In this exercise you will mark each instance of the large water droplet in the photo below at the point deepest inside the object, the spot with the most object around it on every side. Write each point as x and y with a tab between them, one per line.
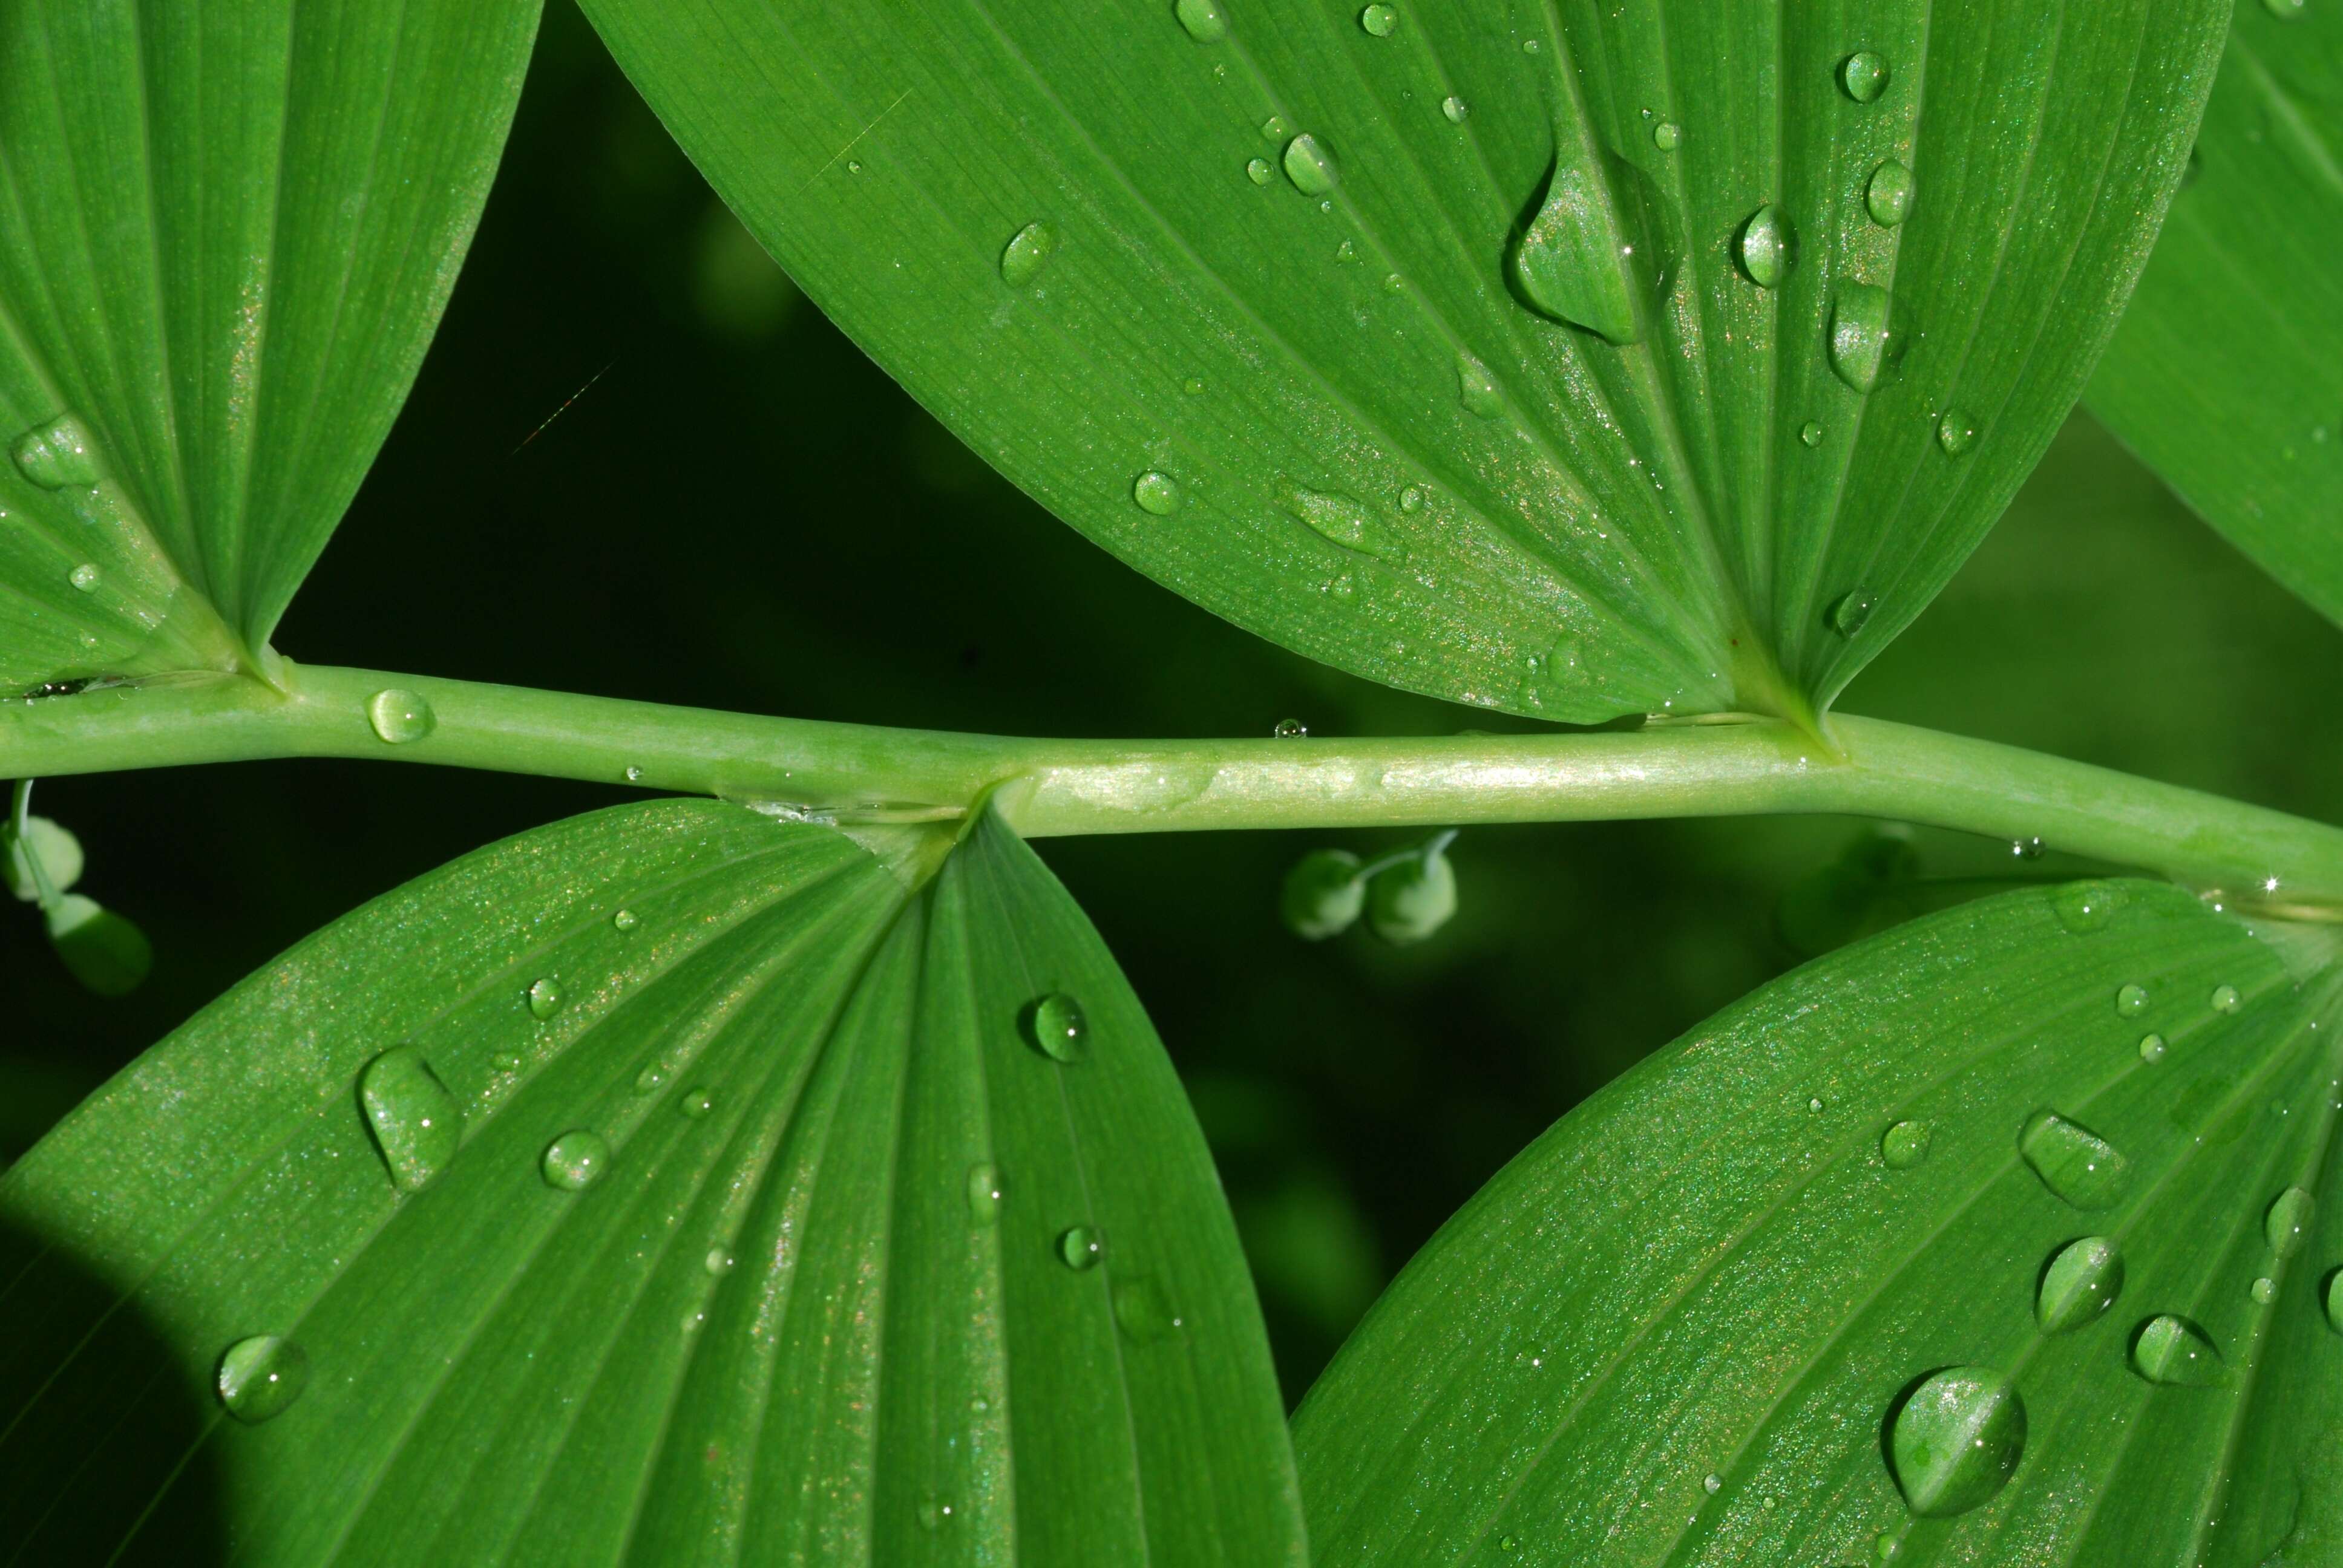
400	716
1889	195
1767	247
1574	261
2131	1000
2288	1224
1904	1145
1851	611
1379	19
2333	1295
415	1122
2286	10
1202	19
576	1159
57	455
261	1377
1957	1441
2075	1163
2226	1000
2171	1349
1858	335
984	1193
1028	252
1478	392
1158	494
1345	520
544	996
2083	1281
1955	432
1864	75
1311	166
1056	1028
1080	1246
1667	136
1457	110
2084	907
1143	1311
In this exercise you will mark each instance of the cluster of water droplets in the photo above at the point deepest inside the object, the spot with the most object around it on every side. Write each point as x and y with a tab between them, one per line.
61	456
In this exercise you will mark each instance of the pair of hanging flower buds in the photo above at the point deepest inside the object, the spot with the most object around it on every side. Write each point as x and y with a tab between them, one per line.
40	860
1405	896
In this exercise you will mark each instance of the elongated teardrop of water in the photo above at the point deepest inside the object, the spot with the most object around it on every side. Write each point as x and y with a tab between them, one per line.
1345	520
1851	611
2170	1350
1478	392
1158	494
1767	247
1957	1440
2081	1283
1858	334
1056	1028
400	716
1573	261
57	455
1864	75
1028	252
1889	195
1955	432
2075	1163
1904	1145
1202	19
261	1377
2287	1226
1311	166
1079	1247
1143	1311
415	1122
576	1159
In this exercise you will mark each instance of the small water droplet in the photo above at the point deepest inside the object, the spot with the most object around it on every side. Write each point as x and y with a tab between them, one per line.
1346	252
2075	1163
2226	999
1028	252
1411	500
1457	110
634	774
934	1513
1666	136
1290	730
1851	611
415	1122
1864	75
649	1080
2081	1281
1811	433
1202	19
1194	387
2288	1224
1158	494
718	1260
1379	19
400	716
1955	432
1510	1542
984	1193
2286	10
507	1062
2026	849
544	996
260	1377
83	577
1885	1545
2082	907
2173	1351
2131	1000
1479	393
1143	1311
1081	1247
1904	1145
1343	519
2264	1290
1957	1441
1711	1484
1814	1105
626	920
1858	335
575	1159
1056	1027
1889	195
2151	1047
1311	166
1260	171
1529	45
854	166
1767	248
1275	128
696	1103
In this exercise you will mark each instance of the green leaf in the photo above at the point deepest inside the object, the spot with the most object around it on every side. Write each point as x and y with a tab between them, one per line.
1701	1320
225	235
753	1236
2225	378
1334	329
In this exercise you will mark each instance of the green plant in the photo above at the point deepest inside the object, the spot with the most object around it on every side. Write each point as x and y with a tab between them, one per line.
792	1175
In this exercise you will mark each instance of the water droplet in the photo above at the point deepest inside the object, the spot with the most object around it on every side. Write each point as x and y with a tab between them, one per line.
2075	1163
718	1260
57	455
2286	10
508	1062
1510	1542
400	716
2334	1296
2026	849
1275	128
575	1159
1260	171
1311	166
1814	1105
1081	1247
1864	75
626	920
2131	1001
1955	432
1711	1484
1290	730
1028	253
2083	1281
1904	1145
934	1513
2226	1000
260	1377
634	774
1572	262
1345	520
1851	611
1411	500
1194	387
696	1103
1811	433
83	577
1666	136
1885	1545
1381	20
2170	1350
854	166
2288	1223
1478	392
1157	494
2151	1047
544	996
1529	45
649	1080
1767	248
1393	283
2264	1291
1957	1441
1143	1311
415	1122
1858	335
2082	907
1057	1029
1889	193
984	1193
1457	110
1202	19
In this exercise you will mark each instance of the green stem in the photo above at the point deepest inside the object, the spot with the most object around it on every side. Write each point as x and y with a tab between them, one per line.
865	774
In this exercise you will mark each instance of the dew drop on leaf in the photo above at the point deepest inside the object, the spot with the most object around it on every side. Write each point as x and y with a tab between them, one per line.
718	1261
1955	432
1666	136
625	920
1411	500
1202	19
544	996
2226	1000
2075	1163
1311	166
2288	1224
1711	1484
1290	730
2286	10
1888	195
1957	1441
1079	1247
1851	611
1379	19
1767	247
260	1377
1343	519
2151	1047
1027	253
2085	907
1811	433
696	1103
1275	128
2173	1351
83	577
576	1159
984	1193
2131	1000
1457	110
1056	1027
1143	1311
58	456
1571	262
1158	494
649	1078
2333	1294
1904	1145
2081	1281
415	1122
1864	75
2264	1291
1259	171
400	716
1858	335
1479	393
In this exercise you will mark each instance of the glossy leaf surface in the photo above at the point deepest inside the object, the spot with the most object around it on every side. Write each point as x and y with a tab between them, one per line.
2225	376
752	1245
1508	352
225	235
1704	1318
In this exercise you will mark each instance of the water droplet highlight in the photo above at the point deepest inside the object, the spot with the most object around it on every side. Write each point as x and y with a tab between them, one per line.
576	1159
83	577
1289	729
1079	1247
1057	1029
260	1377
1767	248
1142	1311
400	716
1955	432
984	1193
1888	195
1864	77
2151	1047
2131	1001
696	1103
1904	1145
1311	166
1457	110
1028	252
1851	611
1479	393
1667	136
2075	1163
415	1122
1260	171
1202	20
2288	1224
1379	19
1158	494
2226	999
1858	335
544	996
2175	1351
1957	1441
2083	1281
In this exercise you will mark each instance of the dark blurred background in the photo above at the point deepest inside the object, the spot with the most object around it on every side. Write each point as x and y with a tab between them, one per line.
741	512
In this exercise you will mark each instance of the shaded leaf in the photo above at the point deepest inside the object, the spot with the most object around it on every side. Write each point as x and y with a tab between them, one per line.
754	1236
